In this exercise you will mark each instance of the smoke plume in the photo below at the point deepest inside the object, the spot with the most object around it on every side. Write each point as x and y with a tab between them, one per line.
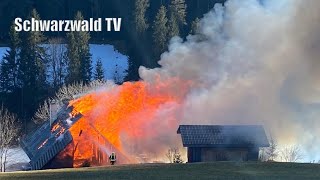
253	62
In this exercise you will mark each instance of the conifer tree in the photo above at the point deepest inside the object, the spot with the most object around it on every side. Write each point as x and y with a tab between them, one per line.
32	69
57	62
99	71
78	55
195	26
178	9
160	30
9	63
73	59
32	77
173	27
140	20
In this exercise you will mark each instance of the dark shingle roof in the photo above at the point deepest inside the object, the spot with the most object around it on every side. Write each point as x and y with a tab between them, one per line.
223	136
45	143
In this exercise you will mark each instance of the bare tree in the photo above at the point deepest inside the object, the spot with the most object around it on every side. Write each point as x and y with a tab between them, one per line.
43	113
57	62
75	90
263	155
291	154
8	133
169	154
174	155
66	93
269	153
272	151
177	157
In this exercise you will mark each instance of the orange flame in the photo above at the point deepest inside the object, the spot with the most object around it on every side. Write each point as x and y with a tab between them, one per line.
122	110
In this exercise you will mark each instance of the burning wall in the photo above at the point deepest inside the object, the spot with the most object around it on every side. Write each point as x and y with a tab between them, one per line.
49	146
123	119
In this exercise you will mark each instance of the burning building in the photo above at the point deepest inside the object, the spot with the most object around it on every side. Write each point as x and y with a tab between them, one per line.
222	143
50	142
88	129
56	144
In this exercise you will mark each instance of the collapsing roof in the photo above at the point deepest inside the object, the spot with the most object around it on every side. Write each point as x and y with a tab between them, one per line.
47	141
223	136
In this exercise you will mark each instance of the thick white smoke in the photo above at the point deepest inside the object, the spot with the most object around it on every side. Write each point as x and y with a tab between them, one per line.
254	62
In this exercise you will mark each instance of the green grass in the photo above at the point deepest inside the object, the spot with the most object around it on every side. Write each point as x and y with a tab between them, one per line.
217	170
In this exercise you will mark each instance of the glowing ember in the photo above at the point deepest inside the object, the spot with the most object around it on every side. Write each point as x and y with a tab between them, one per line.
55	127
44	143
59	128
109	115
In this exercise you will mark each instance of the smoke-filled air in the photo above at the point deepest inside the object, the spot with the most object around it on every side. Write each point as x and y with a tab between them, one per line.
252	62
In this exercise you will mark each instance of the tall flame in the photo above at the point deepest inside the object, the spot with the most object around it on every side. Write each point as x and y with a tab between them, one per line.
124	110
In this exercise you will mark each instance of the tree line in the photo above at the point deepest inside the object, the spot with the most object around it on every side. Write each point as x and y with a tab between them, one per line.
32	71
155	23
66	9
138	19
37	64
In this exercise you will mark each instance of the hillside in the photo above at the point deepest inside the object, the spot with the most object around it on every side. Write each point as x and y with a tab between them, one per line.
219	170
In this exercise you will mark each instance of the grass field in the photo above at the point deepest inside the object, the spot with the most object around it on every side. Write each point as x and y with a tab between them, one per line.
218	170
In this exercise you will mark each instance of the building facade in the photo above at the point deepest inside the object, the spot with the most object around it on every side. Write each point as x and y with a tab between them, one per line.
206	143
